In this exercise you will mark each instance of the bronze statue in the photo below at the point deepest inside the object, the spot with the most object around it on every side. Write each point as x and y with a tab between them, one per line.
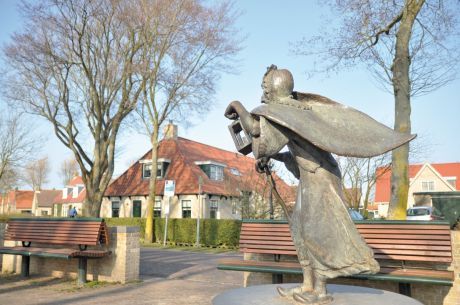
312	126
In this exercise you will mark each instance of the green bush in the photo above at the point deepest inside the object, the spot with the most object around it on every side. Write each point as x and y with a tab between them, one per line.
213	232
128	221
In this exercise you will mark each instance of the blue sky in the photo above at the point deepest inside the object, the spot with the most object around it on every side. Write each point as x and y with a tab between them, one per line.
270	27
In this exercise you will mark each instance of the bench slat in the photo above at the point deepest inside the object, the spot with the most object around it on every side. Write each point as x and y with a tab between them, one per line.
396	232
406	236
413	258
274	247
248	250
409	242
402	226
266	242
411	247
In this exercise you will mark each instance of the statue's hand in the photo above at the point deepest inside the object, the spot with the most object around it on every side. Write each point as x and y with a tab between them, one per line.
262	164
232	111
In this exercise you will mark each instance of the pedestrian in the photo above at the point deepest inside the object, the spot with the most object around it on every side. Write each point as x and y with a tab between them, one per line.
73	212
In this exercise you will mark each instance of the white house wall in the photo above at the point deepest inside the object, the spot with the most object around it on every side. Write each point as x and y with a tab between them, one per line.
224	210
426	174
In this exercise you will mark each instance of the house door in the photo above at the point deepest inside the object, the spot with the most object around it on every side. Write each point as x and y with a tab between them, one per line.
137	206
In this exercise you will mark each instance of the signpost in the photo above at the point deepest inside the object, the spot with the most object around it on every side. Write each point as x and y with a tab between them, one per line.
170	186
200	198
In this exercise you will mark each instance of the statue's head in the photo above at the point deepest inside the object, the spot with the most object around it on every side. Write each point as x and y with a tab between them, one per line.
276	84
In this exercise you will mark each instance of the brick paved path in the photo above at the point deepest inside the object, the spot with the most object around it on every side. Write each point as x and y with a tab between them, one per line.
168	278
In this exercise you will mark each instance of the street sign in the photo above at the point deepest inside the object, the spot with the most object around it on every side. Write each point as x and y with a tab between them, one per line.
170	186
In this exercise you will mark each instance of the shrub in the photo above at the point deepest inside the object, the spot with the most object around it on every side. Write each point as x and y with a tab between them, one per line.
213	232
128	221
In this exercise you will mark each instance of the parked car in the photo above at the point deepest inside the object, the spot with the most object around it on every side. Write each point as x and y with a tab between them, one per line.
423	213
355	215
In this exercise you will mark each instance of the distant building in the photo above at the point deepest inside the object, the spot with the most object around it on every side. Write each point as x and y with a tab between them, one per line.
43	201
72	195
209	183
435	177
17	202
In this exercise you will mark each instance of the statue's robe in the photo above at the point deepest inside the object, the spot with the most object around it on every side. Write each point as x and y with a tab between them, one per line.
312	127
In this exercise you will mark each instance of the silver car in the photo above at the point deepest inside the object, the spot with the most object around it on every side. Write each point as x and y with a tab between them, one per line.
422	213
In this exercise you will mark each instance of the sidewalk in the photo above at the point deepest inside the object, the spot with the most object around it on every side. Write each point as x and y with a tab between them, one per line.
167	278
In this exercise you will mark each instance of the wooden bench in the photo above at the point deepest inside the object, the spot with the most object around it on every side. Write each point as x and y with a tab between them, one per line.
65	238
407	251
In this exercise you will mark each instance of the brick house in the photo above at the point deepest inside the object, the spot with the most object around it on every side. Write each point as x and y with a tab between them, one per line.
226	178
73	194
17	202
434	177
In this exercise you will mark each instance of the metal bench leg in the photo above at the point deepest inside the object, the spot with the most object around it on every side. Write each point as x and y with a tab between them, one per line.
82	270
404	288
25	264
277	278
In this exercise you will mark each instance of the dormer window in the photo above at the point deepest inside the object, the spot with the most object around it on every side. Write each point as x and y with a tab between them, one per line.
214	170
162	167
452	181
235	172
146	170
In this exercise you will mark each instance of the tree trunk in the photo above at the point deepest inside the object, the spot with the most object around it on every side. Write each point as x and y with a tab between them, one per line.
152	186
401	87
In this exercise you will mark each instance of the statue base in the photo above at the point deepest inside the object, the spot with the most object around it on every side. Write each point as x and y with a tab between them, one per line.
342	294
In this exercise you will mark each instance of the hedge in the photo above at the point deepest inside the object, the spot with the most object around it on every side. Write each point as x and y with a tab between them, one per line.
213	232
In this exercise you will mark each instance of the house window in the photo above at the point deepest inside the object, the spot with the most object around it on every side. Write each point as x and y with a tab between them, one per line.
44	213
162	167
157	209
137	208
452	182
186	209
427	185
233	206
214	172
213	209
146	170
115	209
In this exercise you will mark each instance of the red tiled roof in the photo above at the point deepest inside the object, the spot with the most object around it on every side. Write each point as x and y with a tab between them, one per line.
183	154
77	180
23	199
382	186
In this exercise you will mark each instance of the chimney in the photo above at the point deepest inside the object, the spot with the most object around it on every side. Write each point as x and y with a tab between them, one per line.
170	131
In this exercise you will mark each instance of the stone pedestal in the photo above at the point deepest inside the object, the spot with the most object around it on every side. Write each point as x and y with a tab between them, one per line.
342	294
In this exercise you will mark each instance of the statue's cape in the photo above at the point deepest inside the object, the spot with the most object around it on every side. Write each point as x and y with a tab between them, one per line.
332	126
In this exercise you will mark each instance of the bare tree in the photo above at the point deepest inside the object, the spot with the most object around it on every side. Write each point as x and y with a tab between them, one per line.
187	44
75	63
410	45
17	145
359	176
36	173
69	169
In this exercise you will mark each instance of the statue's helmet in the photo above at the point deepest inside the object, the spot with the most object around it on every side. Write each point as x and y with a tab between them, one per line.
277	84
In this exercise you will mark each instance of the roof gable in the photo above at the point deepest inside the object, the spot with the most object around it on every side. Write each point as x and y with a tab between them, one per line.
441	170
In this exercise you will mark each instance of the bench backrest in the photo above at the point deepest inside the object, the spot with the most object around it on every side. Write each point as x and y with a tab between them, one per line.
390	240
59	231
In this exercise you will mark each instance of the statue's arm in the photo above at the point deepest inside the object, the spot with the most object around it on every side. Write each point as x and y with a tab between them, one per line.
288	159
249	122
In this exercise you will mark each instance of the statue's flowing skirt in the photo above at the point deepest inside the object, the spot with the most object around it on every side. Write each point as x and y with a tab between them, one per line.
323	230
